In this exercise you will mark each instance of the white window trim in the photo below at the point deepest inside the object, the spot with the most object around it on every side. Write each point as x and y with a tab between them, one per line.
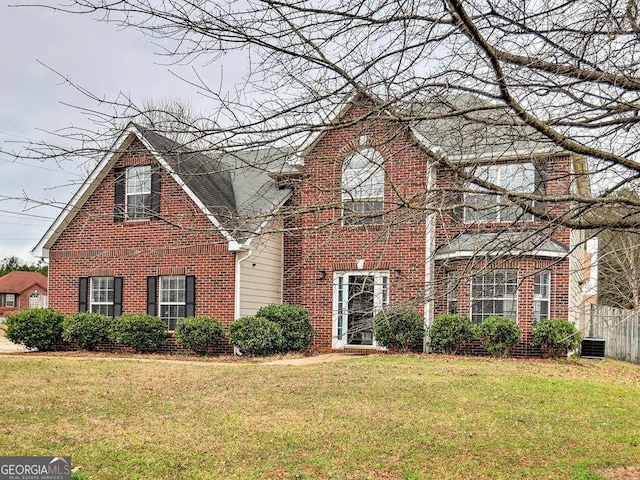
516	294
93	303
37	297
179	304
128	171
539	298
380	299
13	300
495	205
348	196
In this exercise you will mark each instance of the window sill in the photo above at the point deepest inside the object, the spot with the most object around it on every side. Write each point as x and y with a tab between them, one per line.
137	220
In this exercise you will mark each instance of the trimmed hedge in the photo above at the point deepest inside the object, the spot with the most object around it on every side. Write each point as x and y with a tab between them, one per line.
87	330
199	333
556	337
398	328
498	335
39	328
294	321
142	332
449	333
256	336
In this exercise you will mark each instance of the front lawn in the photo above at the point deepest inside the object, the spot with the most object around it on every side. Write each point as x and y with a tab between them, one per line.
374	417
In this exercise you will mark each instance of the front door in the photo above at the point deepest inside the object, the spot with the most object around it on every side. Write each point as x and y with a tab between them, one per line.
357	298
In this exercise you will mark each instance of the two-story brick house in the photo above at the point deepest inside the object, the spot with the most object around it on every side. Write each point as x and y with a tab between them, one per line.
408	229
370	212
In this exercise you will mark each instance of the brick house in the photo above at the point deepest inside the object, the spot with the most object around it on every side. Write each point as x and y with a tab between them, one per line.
22	290
359	218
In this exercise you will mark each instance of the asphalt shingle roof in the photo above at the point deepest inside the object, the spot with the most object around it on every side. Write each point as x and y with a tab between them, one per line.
466	126
504	243
235	187
18	281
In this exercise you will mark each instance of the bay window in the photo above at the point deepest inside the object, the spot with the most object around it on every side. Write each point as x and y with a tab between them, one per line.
494	293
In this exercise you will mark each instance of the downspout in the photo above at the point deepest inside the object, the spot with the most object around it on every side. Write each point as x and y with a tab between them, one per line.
430	223
238	278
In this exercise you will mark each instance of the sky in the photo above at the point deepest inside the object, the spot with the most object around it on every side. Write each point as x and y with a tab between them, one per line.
34	100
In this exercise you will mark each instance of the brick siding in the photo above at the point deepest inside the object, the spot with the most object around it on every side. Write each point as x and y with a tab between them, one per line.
182	242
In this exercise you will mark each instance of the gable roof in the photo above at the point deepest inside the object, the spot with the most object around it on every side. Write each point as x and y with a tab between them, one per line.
465	127
19	281
459	126
234	190
237	188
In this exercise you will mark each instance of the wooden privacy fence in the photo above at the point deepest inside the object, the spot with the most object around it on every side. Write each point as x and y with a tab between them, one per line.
620	329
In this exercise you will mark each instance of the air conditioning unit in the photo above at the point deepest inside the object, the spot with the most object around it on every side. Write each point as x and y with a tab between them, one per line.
592	348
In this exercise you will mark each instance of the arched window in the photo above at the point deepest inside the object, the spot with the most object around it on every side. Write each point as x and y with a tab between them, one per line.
34	300
363	188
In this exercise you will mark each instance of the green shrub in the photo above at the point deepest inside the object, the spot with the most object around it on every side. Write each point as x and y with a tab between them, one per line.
256	336
39	328
398	328
142	332
556	337
199	333
449	332
294	321
87	330
498	335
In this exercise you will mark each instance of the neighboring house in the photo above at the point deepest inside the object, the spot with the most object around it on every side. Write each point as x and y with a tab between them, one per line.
22	290
361	217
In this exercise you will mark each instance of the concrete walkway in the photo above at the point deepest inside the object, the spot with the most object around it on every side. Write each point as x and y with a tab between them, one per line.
324	358
9	347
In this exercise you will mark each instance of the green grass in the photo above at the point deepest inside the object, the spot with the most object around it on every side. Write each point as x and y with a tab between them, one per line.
376	417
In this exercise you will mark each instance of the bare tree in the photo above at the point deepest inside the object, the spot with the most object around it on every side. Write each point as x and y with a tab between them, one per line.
566	72
619	262
469	78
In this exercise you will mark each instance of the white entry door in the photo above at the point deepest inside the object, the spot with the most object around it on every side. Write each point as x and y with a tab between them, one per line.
357	297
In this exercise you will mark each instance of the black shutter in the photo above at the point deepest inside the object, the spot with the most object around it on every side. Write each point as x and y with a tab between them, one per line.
117	296
190	296
155	195
152	296
118	194
83	294
540	166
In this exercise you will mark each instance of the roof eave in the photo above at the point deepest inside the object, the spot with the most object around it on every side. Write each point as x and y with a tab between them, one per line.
70	210
507	253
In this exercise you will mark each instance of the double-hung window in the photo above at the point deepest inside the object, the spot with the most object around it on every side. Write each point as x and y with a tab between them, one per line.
494	293
10	300
102	295
138	192
173	300
482	206
363	188
541	296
